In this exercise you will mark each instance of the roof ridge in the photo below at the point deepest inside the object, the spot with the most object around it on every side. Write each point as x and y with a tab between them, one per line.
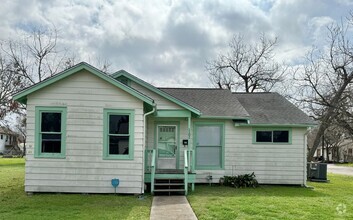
193	88
241	93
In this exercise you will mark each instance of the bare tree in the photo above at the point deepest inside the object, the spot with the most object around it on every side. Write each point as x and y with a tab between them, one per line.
247	66
326	83
21	130
37	55
10	83
27	61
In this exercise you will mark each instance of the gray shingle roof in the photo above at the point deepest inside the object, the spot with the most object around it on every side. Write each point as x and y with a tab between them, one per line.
211	102
272	108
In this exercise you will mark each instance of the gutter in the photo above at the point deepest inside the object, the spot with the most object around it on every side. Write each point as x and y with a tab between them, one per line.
144	144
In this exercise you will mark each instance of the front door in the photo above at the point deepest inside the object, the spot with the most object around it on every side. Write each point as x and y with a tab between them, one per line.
167	146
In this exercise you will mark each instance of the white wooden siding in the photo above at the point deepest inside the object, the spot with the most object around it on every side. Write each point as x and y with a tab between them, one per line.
272	164
162	103
84	170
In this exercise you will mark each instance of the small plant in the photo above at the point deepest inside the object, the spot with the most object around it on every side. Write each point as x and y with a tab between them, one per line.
240	181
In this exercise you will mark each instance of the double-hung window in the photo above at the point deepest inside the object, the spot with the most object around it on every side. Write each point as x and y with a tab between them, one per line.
118	134
50	132
209	146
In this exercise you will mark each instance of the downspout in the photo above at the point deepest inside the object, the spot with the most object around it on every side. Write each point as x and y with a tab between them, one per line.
305	157
154	106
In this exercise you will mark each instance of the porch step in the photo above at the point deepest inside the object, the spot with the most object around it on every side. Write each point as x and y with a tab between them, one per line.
171	186
169	190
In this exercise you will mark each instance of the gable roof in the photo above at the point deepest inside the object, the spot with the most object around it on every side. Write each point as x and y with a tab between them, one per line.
165	95
22	95
272	108
212	102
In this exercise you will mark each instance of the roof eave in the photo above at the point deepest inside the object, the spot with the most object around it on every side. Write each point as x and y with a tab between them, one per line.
277	125
225	117
22	95
158	91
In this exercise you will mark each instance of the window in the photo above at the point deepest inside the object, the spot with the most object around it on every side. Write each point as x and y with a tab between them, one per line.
50	132
209	146
118	134
2	137
272	135
124	80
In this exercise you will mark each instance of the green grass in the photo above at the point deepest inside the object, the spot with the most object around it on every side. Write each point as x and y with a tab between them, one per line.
344	164
15	204
265	202
276	202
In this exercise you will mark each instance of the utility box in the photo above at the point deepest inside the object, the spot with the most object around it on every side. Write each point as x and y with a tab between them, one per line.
317	171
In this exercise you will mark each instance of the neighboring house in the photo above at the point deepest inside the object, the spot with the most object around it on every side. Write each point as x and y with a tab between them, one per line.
8	139
342	153
348	154
85	128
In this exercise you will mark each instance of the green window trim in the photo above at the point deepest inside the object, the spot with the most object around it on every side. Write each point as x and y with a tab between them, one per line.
38	137
256	129
222	138
106	114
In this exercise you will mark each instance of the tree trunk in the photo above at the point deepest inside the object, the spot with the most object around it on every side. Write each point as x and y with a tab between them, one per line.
327	118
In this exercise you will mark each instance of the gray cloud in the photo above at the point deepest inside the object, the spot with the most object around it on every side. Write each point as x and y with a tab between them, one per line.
168	42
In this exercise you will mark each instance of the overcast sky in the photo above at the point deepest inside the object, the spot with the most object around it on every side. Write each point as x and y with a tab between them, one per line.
168	42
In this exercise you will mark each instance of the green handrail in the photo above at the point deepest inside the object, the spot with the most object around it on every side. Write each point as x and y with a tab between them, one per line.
153	169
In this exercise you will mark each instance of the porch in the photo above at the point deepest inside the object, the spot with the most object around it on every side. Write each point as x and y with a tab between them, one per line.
170	181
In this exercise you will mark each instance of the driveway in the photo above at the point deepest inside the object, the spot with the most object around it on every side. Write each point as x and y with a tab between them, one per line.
332	168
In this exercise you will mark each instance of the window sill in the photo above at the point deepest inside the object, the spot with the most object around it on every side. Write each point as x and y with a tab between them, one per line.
52	156
209	168
118	157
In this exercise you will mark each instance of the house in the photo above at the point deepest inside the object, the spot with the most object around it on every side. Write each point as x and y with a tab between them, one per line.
8	140
86	128
340	152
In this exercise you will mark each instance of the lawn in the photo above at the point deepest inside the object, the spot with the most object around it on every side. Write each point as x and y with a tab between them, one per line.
325	201
15	204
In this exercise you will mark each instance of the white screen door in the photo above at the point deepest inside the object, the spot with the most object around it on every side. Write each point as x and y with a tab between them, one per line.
167	146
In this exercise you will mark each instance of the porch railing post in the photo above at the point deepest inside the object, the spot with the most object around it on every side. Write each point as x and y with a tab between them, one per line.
153	169
186	171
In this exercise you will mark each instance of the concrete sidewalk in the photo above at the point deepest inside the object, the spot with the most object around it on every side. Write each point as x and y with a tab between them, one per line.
171	207
332	168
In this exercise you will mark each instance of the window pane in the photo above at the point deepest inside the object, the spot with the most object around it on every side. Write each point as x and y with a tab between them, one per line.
51	122
263	136
280	136
209	136
118	124
118	145
51	143
208	156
